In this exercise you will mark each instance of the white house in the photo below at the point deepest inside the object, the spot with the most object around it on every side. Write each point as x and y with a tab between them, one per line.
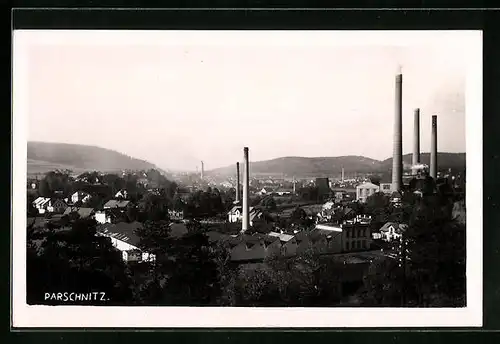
236	214
365	190
392	231
124	238
121	194
41	204
80	196
48	205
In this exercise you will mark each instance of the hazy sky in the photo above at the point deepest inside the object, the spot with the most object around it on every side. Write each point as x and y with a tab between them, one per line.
175	104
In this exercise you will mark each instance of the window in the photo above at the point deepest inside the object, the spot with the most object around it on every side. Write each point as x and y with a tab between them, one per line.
347	245
354	233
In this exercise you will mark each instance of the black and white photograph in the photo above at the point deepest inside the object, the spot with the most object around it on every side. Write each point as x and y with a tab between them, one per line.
247	179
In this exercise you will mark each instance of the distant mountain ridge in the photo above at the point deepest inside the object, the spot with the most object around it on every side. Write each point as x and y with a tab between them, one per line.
45	156
327	166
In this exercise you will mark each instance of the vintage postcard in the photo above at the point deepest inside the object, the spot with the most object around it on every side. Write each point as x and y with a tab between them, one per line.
247	179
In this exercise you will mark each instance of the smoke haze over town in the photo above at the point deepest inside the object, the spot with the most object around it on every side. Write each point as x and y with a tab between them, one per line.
177	104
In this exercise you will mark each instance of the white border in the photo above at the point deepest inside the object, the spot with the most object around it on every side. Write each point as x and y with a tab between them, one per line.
78	316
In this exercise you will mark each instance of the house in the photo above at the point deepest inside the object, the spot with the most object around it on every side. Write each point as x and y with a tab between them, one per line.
392	231
326	239
120	204
396	199
288	243
80	196
265	191
113	215
124	238
83	213
357	236
175	214
49	205
283	192
365	190
122	194
347	237
386	188
236	214
41	204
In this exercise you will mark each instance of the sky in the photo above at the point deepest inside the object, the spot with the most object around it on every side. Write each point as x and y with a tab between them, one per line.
175	103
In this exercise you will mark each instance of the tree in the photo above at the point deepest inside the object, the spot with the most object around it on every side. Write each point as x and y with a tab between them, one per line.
77	260
44	189
269	203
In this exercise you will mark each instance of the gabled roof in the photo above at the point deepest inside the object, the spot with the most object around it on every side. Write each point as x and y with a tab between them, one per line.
116	203
367	185
122	231
80	193
82	212
281	236
397	227
41	201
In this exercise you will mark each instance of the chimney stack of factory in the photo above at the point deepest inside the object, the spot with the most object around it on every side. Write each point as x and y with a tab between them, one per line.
416	138
202	169
434	149
238	182
397	154
245	224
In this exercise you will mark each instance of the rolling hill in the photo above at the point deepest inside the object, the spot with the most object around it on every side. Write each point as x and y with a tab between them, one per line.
325	166
44	157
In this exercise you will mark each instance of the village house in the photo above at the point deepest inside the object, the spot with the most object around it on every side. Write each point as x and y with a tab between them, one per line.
124	239
80	196
365	190
120	204
49	205
176	214
121	194
392	231
82	212
236	214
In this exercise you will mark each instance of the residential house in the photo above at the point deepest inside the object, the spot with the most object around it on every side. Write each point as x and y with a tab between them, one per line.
283	192
356	236
123	194
176	214
396	199
82	212
113	215
49	205
386	188
80	196
265	191
41	204
124	238
119	204
326	239
236	214
288	243
365	190
392	231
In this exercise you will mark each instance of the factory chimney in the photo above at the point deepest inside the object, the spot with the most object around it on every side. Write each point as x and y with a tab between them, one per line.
434	149
342	174
397	153
202	170
293	181
246	206
238	182
416	138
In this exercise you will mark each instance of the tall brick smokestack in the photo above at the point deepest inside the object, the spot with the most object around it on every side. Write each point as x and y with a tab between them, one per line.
434	149
238	191
202	169
397	153
416	138
245	223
